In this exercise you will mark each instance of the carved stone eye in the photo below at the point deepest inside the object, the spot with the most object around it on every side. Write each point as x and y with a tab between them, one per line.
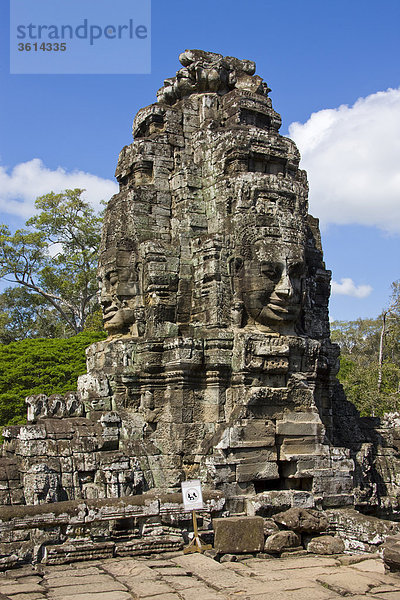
112	278
297	269
272	272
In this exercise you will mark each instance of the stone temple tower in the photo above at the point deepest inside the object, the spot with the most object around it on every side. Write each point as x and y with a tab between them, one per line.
218	361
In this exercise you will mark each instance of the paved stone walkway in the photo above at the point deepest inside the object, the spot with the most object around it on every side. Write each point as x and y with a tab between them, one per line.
196	577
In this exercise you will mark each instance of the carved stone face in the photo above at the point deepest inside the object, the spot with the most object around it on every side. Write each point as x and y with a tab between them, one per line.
119	291
270	284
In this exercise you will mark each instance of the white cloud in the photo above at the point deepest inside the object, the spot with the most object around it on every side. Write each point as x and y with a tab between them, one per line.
352	155
347	287
26	181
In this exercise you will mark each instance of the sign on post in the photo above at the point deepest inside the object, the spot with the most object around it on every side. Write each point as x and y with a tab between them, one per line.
192	495
193	500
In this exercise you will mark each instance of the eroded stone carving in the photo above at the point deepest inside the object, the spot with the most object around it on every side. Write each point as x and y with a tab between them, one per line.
215	294
42	484
55	406
209	72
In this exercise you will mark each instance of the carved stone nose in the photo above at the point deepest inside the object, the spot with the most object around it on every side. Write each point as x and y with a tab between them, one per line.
108	303
284	287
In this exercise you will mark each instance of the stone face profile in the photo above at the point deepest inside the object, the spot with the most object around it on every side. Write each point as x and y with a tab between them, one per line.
218	363
118	291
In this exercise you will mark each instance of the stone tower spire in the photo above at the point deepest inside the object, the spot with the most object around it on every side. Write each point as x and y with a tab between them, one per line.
215	293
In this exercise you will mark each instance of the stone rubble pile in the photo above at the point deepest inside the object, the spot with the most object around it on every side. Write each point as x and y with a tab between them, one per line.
294	530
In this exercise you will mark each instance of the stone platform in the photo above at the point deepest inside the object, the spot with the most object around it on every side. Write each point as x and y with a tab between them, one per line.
177	577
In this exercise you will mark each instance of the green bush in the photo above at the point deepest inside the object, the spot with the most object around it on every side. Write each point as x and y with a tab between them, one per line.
40	366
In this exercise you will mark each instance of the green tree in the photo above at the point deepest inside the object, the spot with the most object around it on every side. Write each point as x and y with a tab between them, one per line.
370	359
54	258
392	339
39	366
359	337
24	314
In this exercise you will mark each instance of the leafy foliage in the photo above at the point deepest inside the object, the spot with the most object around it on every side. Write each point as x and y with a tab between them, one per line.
357	338
54	259
39	366
373	385
24	314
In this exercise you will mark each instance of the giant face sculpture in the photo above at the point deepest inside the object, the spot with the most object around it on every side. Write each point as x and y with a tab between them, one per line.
119	291
269	280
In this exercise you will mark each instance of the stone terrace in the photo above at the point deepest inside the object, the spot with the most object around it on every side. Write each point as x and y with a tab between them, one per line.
178	577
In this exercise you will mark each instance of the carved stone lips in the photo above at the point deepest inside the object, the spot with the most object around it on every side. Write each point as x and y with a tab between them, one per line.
282	308
108	313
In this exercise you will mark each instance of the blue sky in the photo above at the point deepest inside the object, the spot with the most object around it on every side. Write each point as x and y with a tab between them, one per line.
330	66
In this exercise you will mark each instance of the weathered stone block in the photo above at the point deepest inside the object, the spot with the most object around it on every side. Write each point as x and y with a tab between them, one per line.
252	455
270	527
359	531
257	434
301	520
80	550
391	553
281	541
297	428
325	544
333	484
33	432
257	470
238	535
293	447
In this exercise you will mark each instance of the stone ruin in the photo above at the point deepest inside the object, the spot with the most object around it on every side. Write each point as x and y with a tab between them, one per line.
218	363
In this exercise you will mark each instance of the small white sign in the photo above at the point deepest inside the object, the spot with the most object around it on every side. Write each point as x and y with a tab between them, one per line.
192	495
